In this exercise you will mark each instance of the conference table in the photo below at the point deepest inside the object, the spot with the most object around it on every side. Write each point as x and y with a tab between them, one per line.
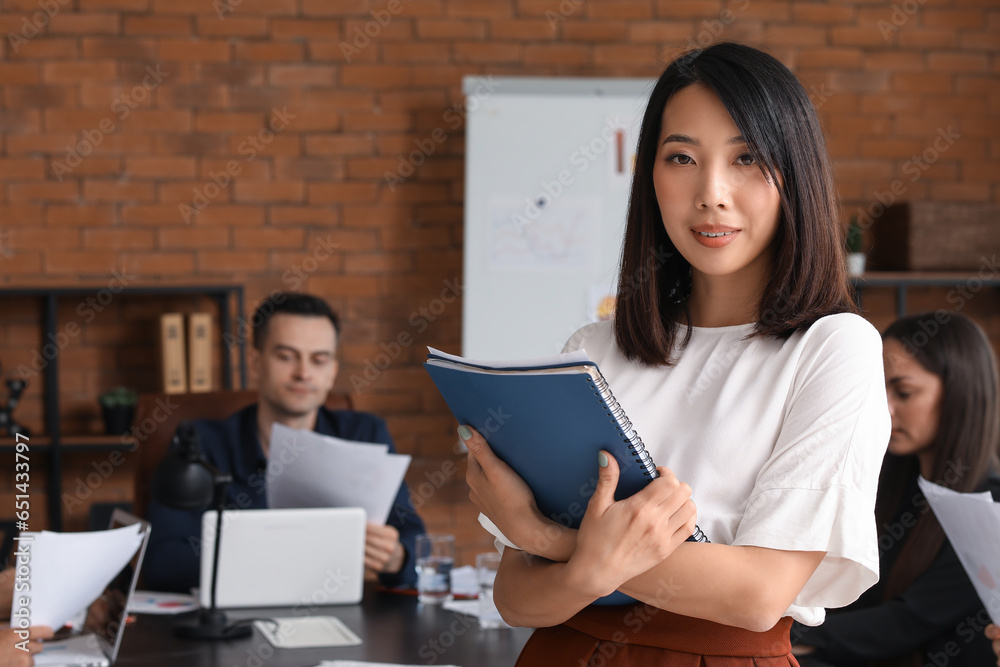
394	628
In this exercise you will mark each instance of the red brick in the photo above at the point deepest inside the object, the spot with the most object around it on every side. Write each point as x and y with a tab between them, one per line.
302	75
235	26
25	192
605	31
117	190
487	52
241	145
19	73
81	262
22	168
556	54
153	214
160	168
74	72
340	100
938	84
965	192
270	52
40	238
40	96
338	193
362	122
76	23
240	74
257	170
629	55
896	61
221	213
127	5
198	96
296	29
654	31
118	239
823	14
118	47
227	121
194	237
159	25
74	120
383	262
249	191
957	62
303	215
146	120
952	18
266	239
149	264
79	215
261	98
308	168
201	51
913	36
449	29
92	166
44	47
415	53
229	261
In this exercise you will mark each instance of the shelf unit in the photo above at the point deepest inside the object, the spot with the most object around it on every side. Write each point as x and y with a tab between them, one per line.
53	443
903	280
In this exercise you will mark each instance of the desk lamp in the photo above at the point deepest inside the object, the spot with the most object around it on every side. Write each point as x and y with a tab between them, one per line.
185	480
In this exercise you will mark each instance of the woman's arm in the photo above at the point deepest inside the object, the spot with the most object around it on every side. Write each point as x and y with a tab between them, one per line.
749	587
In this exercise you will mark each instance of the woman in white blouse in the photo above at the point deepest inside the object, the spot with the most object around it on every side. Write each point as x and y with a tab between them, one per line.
743	367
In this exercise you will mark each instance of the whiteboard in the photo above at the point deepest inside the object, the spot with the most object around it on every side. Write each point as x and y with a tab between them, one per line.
547	176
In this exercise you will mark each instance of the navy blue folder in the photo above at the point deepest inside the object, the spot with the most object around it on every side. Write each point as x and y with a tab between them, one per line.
549	427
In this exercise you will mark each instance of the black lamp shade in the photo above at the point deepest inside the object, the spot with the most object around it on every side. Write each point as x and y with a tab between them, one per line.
183	484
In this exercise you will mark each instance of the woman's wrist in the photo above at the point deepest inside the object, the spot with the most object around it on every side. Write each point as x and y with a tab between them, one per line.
546	538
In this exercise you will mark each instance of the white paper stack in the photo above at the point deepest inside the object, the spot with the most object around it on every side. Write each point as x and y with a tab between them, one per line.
306	469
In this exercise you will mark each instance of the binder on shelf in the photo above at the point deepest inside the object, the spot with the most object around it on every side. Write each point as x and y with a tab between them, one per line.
172	353
547	419
200	352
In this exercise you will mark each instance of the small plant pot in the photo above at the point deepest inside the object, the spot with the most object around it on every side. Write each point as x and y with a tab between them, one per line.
118	419
856	263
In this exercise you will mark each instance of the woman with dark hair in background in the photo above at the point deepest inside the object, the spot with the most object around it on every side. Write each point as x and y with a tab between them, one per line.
941	380
737	354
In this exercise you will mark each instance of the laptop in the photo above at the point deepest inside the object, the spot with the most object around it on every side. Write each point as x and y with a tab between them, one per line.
285	557
99	646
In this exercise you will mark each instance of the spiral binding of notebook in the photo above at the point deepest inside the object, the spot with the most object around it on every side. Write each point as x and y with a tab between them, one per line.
632	439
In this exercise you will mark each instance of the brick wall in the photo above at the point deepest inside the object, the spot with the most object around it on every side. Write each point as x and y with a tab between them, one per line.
226	141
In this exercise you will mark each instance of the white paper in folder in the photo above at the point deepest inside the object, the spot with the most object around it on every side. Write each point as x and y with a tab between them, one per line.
972	523
306	469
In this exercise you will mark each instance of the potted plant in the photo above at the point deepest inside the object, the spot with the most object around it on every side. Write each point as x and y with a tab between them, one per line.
118	408
855	248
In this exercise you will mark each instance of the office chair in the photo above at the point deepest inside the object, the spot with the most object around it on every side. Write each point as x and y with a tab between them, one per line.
158	415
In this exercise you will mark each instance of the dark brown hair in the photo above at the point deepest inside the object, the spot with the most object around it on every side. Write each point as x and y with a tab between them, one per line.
779	124
289	303
954	348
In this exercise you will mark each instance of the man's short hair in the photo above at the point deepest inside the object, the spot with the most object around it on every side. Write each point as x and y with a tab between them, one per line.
290	303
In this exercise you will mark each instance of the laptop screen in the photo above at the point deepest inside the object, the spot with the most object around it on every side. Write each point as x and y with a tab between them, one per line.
107	615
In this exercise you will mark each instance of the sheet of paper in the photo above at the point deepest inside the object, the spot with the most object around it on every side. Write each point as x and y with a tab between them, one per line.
972	523
307	632
306	469
68	571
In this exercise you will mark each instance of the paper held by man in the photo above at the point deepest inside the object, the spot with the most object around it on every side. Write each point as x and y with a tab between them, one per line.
306	469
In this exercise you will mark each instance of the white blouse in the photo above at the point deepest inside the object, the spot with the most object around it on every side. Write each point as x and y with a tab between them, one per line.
780	440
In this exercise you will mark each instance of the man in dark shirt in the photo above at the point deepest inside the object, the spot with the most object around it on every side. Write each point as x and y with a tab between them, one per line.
295	339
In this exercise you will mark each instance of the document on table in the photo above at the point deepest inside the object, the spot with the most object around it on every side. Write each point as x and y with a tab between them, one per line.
972	523
68	571
306	469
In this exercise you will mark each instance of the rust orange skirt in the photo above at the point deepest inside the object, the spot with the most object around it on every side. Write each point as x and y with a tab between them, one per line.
638	635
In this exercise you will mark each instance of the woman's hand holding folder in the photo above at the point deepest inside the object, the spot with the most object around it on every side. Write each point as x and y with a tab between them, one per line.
617	539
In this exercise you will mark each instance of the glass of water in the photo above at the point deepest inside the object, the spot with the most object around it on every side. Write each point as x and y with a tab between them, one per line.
486	572
435	559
